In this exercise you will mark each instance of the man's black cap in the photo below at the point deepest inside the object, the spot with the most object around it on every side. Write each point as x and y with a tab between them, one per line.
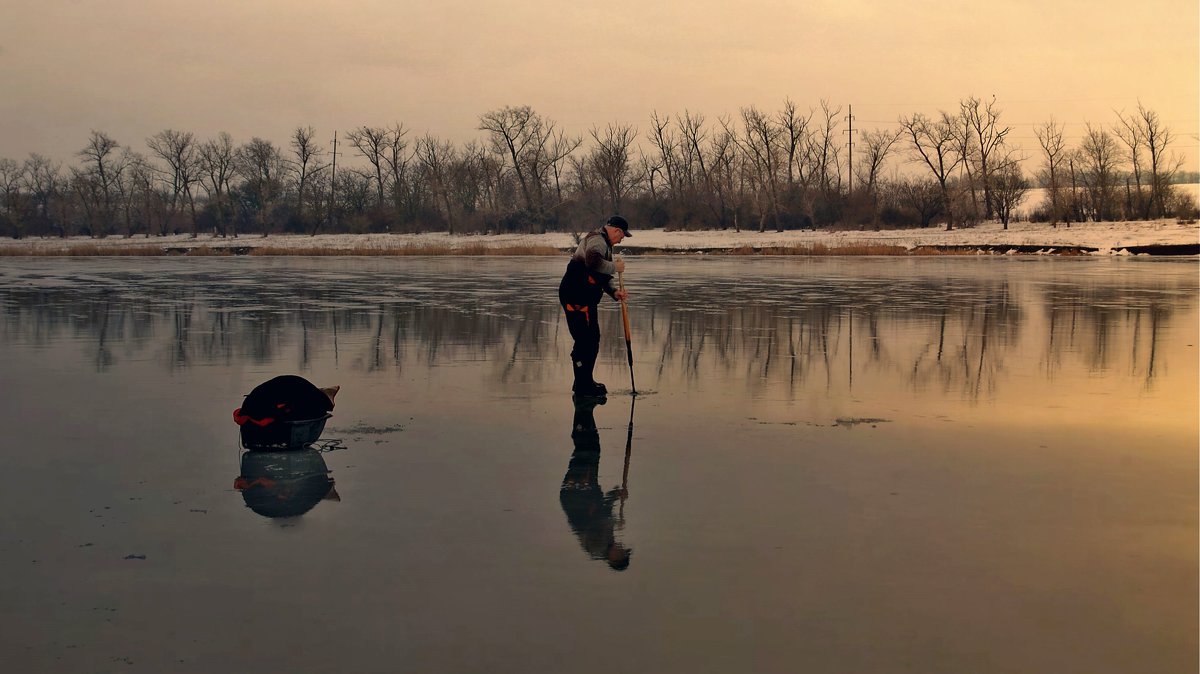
620	223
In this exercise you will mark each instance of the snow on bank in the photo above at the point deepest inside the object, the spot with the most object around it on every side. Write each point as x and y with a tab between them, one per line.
1108	237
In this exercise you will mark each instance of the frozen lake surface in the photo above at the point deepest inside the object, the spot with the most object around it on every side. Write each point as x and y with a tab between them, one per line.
837	465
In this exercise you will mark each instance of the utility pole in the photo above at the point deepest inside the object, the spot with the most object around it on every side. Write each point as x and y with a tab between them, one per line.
850	167
333	182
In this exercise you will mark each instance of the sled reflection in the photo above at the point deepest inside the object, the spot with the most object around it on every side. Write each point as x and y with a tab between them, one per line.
588	508
284	484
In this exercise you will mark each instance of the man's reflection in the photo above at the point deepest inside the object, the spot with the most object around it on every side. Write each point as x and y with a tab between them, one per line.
284	484
589	509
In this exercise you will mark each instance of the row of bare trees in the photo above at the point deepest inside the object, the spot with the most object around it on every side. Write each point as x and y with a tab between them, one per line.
1122	172
783	169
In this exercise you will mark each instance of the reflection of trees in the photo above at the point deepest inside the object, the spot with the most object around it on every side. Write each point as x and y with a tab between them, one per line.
929	334
1108	326
966	346
777	335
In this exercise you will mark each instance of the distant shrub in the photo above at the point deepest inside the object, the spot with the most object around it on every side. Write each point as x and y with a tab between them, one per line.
1182	205
894	217
1040	214
827	212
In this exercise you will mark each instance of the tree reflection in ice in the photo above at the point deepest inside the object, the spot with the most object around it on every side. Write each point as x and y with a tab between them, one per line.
947	326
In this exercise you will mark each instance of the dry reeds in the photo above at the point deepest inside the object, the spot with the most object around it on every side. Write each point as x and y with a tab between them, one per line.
411	250
81	250
854	248
93	250
149	250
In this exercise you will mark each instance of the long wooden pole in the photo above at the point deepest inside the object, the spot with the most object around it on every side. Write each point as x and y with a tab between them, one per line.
628	341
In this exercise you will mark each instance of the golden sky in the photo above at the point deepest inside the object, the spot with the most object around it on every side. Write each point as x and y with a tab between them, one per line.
263	67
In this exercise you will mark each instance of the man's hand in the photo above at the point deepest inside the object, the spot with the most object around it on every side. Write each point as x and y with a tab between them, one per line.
619	263
621	295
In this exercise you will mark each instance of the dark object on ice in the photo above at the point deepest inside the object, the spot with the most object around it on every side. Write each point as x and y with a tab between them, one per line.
284	412
284	484
288	398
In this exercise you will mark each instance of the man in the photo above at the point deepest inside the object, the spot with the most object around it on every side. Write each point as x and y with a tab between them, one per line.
589	275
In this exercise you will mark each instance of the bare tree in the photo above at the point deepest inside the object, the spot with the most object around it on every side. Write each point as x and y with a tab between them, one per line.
922	196
723	169
43	180
217	167
933	142
84	188
178	150
1074	161
559	150
651	169
965	147
101	166
793	138
611	161
693	137
352	192
439	160
664	140
1158	139
396	160
144	196
10	195
1050	137
262	167
1009	188
1128	130
516	132
981	121
761	145
307	157
585	185
372	143
1101	162
691	167
468	178
876	147
825	149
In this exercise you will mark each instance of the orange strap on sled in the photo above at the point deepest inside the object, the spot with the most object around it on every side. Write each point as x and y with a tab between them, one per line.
241	419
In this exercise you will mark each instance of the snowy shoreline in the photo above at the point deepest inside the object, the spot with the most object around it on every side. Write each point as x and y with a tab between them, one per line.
1100	238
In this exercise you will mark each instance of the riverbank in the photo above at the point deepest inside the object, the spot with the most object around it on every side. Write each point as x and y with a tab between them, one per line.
1158	237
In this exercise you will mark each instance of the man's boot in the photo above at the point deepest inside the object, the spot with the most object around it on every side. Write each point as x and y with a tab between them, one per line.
584	385
597	387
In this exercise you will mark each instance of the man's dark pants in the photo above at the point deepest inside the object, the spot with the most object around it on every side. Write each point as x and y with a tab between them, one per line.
585	330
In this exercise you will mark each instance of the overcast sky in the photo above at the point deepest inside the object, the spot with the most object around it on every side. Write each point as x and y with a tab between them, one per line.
263	67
